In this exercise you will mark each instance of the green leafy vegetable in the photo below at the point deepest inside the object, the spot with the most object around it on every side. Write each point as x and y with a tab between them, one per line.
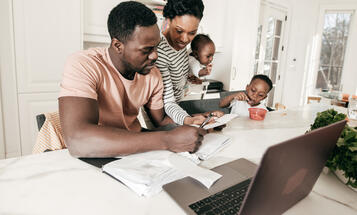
344	155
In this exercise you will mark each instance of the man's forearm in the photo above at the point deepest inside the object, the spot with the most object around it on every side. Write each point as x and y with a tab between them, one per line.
100	141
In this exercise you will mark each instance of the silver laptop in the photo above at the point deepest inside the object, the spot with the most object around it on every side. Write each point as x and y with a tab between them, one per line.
286	174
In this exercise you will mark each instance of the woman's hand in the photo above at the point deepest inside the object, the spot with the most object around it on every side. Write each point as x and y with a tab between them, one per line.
197	119
194	80
216	113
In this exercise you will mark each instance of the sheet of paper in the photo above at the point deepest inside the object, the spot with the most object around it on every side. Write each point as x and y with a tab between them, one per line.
221	121
205	176
211	144
211	96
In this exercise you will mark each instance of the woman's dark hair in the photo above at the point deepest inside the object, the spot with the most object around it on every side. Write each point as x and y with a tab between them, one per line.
124	18
263	78
199	41
175	8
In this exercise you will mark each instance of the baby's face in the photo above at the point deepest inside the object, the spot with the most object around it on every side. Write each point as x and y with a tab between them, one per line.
205	54
257	90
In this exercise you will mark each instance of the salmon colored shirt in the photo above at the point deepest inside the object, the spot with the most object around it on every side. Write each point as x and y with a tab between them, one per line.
91	74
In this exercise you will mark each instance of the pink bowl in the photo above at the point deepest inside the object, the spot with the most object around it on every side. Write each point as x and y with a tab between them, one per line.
257	113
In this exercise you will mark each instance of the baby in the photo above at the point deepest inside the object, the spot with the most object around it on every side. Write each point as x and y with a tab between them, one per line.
254	93
201	56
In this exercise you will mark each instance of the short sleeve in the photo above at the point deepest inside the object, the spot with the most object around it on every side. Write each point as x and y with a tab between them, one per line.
80	77
156	101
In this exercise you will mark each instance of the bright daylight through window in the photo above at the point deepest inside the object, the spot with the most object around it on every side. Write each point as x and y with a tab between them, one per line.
334	42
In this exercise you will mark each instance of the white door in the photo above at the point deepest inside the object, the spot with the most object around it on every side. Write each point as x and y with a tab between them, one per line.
269	53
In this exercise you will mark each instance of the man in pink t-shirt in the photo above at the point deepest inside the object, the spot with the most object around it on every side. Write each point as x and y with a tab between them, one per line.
103	89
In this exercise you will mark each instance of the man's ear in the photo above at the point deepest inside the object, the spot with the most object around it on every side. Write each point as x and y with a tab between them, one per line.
246	87
117	45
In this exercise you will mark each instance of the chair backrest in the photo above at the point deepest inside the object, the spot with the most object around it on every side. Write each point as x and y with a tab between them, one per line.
202	106
41	118
313	98
50	133
205	105
279	106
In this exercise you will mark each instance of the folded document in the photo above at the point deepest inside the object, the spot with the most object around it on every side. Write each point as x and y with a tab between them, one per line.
146	173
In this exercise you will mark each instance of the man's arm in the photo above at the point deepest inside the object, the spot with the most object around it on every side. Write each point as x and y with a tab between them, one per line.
85	138
158	117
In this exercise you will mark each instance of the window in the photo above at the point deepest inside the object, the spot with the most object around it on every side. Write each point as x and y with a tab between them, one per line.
333	47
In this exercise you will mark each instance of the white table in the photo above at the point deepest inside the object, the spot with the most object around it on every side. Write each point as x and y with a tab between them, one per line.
56	183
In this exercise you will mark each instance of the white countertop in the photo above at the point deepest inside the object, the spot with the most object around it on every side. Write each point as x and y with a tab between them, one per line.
56	183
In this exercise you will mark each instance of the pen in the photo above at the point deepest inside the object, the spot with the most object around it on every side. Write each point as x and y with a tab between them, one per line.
206	120
203	92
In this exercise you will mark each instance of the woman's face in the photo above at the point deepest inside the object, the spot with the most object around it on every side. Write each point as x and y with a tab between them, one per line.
181	31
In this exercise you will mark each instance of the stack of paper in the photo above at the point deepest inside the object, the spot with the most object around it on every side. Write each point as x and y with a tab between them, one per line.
211	144
146	173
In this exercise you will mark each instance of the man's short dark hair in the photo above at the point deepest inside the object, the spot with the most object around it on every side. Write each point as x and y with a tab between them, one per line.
124	18
263	78
199	41
175	8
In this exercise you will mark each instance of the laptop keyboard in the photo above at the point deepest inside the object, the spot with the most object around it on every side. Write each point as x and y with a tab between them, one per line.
227	201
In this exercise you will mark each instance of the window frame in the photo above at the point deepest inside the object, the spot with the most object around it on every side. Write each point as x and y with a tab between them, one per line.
317	44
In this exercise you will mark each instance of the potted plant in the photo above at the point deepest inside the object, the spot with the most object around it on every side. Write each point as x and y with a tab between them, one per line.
343	159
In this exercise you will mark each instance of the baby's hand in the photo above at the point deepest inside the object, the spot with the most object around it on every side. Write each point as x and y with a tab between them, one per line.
241	96
209	69
205	71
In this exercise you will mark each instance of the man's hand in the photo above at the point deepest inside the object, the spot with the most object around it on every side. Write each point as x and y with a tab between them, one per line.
185	138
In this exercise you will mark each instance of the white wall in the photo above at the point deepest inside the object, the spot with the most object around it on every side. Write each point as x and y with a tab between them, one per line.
2	140
236	21
223	58
8	82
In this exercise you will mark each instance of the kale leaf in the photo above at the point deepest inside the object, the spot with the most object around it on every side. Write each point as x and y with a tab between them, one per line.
344	155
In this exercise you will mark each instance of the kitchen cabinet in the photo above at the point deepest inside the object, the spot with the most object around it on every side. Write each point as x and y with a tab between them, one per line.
96	14
41	35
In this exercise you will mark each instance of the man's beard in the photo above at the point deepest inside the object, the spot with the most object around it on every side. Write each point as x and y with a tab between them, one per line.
131	70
